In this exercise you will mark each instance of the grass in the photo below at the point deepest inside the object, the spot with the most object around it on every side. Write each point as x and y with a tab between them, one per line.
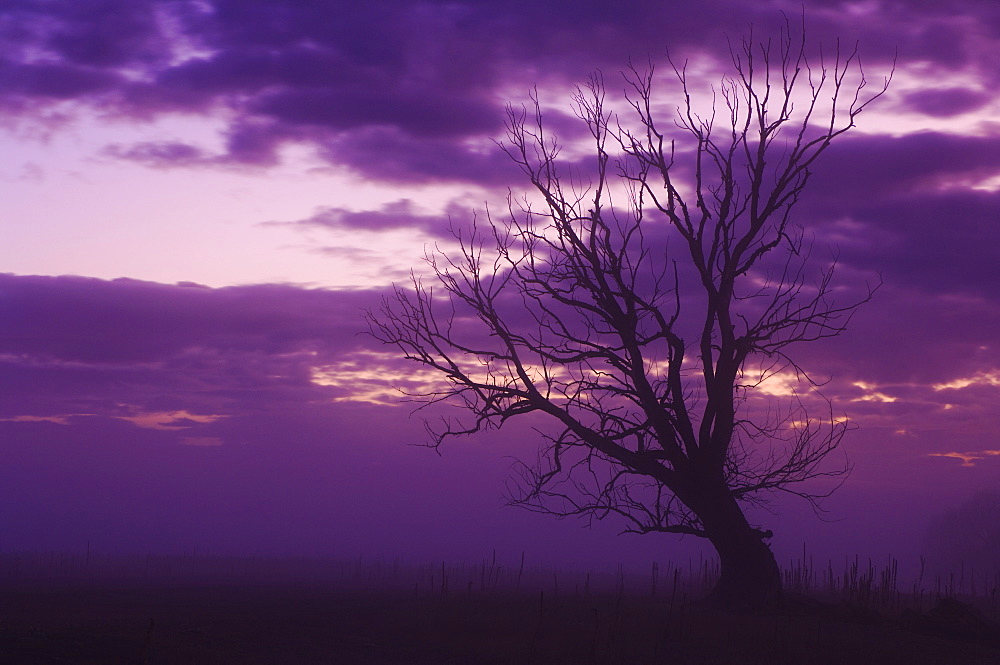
61	608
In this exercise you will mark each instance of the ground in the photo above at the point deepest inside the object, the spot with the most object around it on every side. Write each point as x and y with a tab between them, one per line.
135	621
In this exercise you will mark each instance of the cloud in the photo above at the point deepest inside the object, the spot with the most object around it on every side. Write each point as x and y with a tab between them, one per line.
968	458
946	102
979	379
101	33
913	208
158	153
862	168
412	111
398	214
169	419
55	81
390	155
84	319
937	242
246	144
395	94
169	357
907	335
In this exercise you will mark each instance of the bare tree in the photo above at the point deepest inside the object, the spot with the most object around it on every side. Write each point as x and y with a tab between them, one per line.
643	331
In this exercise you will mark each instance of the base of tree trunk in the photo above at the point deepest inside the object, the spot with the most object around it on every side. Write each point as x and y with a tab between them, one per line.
749	578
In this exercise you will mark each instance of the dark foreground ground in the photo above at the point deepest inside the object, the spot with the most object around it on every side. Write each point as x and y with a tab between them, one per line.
135	622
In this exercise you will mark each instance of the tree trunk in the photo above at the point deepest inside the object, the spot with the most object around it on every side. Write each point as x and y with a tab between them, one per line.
749	577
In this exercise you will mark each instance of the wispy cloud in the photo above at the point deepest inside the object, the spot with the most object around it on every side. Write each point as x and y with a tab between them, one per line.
968	458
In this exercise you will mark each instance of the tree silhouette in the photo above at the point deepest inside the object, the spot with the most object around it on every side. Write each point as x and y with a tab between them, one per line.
641	313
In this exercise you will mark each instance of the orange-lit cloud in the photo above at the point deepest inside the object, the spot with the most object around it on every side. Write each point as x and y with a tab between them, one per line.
979	379
375	377
779	384
165	420
168	419
59	420
872	394
968	458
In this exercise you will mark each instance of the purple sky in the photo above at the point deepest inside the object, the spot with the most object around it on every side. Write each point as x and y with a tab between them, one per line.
201	197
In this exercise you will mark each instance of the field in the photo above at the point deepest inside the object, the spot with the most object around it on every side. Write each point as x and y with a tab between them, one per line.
78	609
